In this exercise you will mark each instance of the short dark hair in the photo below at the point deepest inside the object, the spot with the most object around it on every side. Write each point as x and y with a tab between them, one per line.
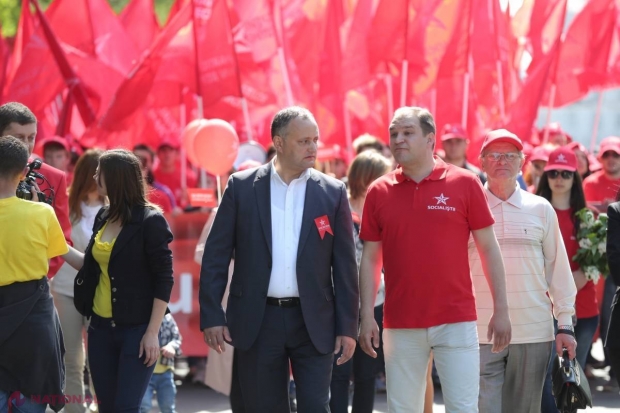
15	112
122	174
427	122
13	157
282	119
145	147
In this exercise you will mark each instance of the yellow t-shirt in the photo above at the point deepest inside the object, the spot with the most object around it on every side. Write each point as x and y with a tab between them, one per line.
29	236
102	304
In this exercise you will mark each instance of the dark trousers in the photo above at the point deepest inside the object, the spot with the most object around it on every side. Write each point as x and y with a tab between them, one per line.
120	377
364	369
264	368
236	397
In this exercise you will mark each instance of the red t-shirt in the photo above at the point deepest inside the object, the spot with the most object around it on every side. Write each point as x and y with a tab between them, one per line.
159	198
424	229
599	189
586	304
173	181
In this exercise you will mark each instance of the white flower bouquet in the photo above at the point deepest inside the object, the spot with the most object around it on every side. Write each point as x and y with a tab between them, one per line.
592	238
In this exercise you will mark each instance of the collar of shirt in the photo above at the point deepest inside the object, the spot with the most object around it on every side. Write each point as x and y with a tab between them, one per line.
275	176
439	172
516	199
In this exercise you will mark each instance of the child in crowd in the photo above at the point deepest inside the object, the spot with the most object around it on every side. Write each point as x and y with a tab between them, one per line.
162	381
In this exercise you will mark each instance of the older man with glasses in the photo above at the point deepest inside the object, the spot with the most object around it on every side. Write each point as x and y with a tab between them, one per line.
536	263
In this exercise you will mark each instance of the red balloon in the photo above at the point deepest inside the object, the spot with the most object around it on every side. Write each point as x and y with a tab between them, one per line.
215	146
188	136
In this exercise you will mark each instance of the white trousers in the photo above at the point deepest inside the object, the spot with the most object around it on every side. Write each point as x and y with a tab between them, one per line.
457	358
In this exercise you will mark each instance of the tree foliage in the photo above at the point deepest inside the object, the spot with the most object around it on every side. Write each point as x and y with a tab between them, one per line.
10	10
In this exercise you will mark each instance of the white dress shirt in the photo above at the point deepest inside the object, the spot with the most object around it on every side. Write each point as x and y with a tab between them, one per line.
536	262
287	209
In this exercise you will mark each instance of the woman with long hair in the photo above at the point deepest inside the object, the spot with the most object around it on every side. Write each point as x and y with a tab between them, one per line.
129	257
562	186
84	204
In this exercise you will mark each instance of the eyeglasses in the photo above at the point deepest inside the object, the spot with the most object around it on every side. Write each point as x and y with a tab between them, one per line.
564	174
497	156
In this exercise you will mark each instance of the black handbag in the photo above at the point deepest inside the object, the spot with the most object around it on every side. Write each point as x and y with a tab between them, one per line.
87	278
570	385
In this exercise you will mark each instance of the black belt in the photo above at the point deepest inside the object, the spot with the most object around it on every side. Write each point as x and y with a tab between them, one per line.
284	302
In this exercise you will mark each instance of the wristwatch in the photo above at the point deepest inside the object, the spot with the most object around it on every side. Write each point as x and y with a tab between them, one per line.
566	329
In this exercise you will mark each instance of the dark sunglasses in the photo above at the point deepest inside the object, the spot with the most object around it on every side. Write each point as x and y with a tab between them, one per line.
611	154
564	174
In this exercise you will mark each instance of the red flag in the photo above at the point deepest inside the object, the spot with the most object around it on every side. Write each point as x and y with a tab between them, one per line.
101	34
136	87
584	53
524	109
140	22
387	36
355	66
216	62
25	28
4	57
254	33
451	79
547	22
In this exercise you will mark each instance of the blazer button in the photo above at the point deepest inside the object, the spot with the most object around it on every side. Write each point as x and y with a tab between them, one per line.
114	289
114	300
113	324
111	278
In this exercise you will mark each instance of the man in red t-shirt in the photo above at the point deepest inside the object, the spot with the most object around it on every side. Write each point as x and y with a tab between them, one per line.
168	172
416	223
18	121
601	188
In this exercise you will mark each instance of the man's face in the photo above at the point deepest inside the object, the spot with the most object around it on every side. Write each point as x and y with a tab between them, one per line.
25	133
145	158
58	158
502	169
455	149
611	162
558	139
407	140
298	149
167	156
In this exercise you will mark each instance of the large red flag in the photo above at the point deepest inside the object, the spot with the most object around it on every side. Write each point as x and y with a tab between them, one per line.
4	57
524	109
101	33
254	32
547	22
25	28
136	87
140	22
387	36
216	62
584	53
355	65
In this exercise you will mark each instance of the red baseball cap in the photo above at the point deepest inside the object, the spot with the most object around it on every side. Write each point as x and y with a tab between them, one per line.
453	131
541	153
610	143
55	139
555	128
563	158
501	135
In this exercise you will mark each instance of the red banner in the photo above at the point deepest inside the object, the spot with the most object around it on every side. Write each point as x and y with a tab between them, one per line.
184	304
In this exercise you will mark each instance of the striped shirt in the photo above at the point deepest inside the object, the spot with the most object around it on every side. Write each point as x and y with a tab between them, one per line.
535	260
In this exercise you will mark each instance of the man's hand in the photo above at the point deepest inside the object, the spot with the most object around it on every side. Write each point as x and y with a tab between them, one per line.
168	351
499	330
347	344
369	336
215	337
566	341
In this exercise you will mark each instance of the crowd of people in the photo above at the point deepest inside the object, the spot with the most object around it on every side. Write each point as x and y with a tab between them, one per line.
407	260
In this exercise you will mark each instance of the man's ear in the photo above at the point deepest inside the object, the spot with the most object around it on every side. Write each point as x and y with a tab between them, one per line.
278	141
24	172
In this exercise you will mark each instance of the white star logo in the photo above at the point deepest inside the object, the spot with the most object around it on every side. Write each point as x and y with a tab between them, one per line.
322	222
441	199
561	158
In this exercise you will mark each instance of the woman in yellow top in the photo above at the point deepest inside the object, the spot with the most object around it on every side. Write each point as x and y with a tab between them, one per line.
124	285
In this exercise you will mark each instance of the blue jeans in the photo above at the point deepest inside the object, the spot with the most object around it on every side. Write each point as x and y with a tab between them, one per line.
19	403
584	333
120	377
163	385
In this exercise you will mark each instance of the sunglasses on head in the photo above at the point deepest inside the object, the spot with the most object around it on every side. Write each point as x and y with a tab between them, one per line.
564	174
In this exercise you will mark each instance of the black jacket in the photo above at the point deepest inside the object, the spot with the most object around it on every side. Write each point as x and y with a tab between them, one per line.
613	258
140	267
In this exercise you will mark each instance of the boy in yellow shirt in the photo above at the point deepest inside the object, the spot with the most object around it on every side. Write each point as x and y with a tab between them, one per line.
31	346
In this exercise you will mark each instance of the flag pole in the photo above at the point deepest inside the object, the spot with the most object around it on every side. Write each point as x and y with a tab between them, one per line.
548	122
597	118
500	86
465	100
390	96
405	67
347	129
246	117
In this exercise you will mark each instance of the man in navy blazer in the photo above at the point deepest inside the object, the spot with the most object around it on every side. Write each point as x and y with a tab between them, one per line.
294	294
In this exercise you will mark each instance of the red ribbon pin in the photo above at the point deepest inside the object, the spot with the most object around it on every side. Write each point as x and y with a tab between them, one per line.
322	223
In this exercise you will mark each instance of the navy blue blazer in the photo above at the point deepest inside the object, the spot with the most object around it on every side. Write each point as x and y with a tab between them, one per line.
326	268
